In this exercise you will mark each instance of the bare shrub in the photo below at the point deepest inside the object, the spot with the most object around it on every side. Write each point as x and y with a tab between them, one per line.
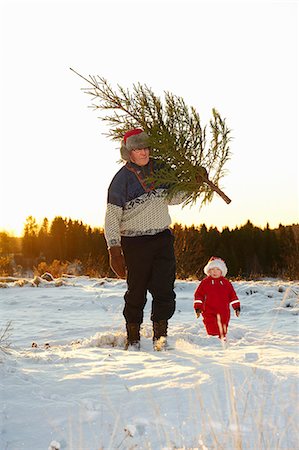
5	334
55	268
6	266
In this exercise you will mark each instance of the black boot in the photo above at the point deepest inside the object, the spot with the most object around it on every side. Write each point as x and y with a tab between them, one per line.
133	335
160	334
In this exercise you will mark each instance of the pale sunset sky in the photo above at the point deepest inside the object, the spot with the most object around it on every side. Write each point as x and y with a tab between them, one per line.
240	57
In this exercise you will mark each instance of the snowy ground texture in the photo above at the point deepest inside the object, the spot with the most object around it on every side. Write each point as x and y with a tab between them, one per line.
83	391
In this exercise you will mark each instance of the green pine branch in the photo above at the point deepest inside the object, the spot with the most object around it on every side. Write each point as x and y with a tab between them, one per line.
193	163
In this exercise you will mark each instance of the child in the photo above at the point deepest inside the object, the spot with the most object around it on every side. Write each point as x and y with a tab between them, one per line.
213	297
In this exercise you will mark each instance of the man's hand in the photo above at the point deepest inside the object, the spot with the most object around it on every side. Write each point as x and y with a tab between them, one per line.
117	261
197	313
237	312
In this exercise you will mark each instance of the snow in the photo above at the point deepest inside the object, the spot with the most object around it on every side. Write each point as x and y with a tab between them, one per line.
78	389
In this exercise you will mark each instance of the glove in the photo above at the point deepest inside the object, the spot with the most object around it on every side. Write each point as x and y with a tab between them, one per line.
201	174
117	261
197	313
237	312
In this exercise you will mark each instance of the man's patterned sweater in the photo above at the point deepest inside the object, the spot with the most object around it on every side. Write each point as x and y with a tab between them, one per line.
135	208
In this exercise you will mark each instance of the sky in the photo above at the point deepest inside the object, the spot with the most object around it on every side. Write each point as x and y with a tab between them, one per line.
240	57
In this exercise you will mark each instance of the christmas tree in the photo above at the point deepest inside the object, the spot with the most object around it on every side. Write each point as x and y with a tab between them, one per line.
192	163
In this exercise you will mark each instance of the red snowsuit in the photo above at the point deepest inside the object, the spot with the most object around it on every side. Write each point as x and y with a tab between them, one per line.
213	297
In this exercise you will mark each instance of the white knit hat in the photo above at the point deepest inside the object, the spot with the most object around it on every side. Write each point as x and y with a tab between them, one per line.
214	262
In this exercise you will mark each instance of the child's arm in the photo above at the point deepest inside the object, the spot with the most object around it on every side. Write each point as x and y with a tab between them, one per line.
234	301
198	300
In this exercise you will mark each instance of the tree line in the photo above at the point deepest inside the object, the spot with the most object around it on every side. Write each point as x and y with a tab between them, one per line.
249	251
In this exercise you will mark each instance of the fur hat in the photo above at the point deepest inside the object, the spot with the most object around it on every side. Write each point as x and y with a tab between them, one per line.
214	262
133	139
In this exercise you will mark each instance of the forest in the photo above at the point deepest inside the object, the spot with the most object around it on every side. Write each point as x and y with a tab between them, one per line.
66	246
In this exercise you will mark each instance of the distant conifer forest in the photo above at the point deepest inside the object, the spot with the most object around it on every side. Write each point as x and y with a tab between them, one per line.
66	246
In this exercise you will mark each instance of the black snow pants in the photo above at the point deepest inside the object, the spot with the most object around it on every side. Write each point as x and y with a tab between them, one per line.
151	267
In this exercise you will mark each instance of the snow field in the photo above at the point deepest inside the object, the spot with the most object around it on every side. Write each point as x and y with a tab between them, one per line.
85	392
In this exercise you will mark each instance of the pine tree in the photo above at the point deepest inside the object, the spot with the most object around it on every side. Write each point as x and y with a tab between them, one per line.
30	241
176	136
44	239
58	231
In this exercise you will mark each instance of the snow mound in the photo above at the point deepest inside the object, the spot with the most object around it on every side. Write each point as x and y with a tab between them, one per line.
105	340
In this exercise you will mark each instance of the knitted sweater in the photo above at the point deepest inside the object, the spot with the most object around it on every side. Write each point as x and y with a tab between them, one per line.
135	208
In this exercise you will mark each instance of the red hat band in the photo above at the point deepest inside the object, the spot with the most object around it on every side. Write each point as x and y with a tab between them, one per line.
132	133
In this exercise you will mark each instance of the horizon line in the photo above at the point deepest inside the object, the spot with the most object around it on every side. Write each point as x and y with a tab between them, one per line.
11	232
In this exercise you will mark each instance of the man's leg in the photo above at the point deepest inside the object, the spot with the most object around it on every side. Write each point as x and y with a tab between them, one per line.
162	280
138	256
162	288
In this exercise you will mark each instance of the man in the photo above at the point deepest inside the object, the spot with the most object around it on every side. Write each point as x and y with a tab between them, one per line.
139	239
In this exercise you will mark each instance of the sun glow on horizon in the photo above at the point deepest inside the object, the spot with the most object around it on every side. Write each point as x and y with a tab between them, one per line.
17	229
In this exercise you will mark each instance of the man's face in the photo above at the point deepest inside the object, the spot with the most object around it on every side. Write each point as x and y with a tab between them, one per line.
140	156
